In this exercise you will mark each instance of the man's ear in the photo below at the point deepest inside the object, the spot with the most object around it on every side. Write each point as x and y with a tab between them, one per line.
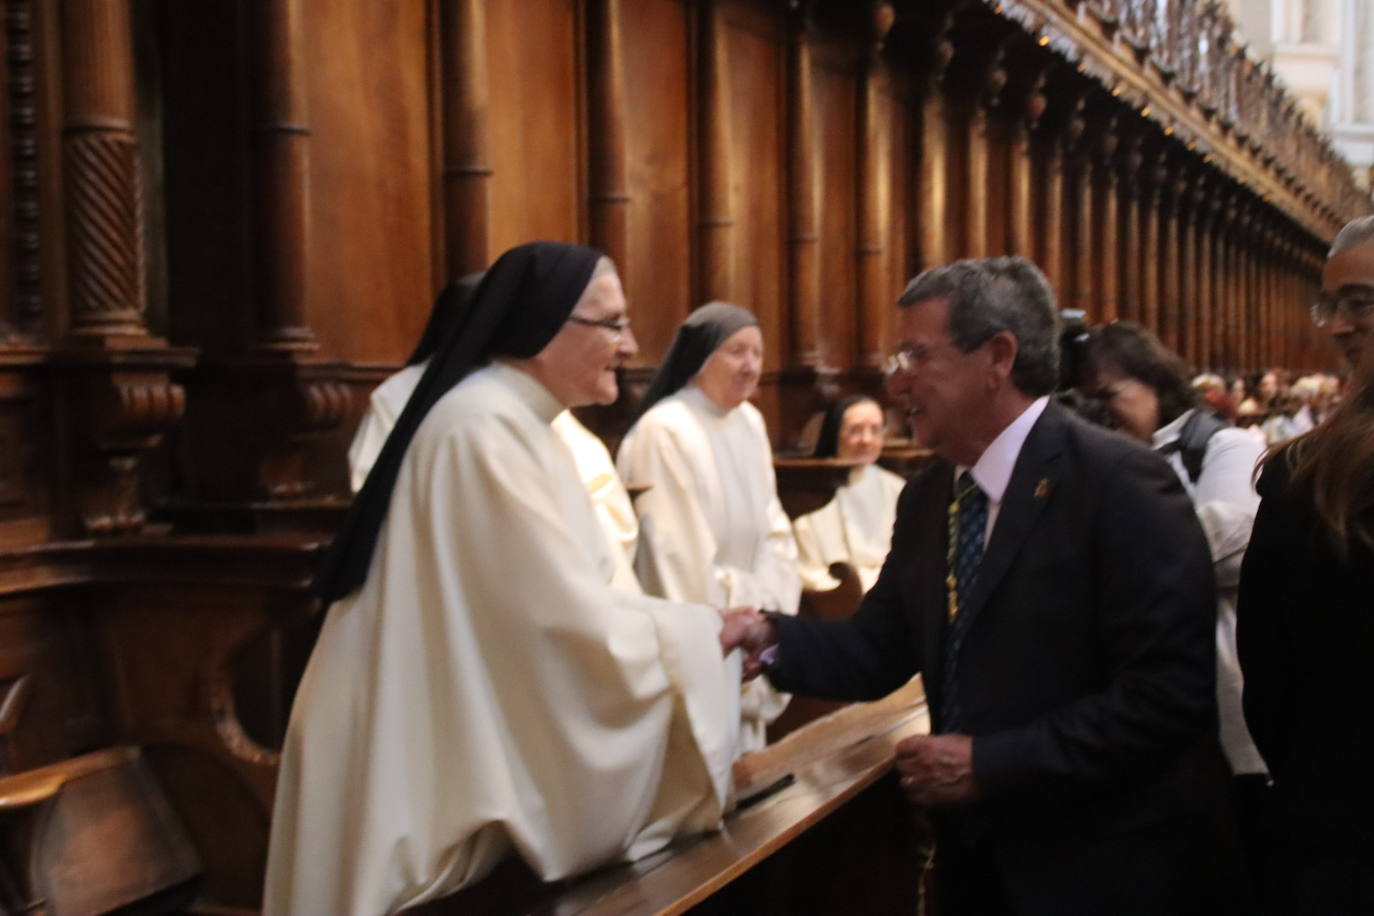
1002	348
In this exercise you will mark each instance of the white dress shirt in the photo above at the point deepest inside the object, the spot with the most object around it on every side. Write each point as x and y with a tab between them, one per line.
992	470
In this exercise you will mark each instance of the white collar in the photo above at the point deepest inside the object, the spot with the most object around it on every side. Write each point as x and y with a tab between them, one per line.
992	471
529	389
1170	431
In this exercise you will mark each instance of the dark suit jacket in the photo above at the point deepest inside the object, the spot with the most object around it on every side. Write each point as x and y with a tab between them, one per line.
1087	673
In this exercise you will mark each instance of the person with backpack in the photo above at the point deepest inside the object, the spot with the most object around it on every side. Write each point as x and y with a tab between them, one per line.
1145	388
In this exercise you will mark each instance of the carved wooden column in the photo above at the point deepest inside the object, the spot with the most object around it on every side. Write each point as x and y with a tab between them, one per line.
1193	184
608	198
936	190
1150	250
1130	161
1085	234
1108	224
466	134
279	394
1234	280
1170	308
281	140
101	171
989	77
803	214
1208	355
1054	253
117	399
716	220
875	195
1242	308
1027	105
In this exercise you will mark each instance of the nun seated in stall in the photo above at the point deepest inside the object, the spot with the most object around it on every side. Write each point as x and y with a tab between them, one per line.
711	528
854	528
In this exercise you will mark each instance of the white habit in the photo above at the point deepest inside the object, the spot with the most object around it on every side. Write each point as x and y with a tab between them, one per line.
855	528
487	690
383	410
711	528
594	466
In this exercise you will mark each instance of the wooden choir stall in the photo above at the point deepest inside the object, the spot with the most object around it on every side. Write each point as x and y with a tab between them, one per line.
222	223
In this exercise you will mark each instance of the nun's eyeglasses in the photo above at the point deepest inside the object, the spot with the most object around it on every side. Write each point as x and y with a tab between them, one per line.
617	326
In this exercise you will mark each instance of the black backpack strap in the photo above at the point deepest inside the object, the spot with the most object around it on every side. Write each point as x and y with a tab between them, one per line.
1192	441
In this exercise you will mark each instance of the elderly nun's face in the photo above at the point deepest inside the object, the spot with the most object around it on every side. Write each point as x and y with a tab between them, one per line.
861	432
732	373
578	365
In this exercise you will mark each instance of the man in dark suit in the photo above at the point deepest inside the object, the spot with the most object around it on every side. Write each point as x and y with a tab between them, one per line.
1050	581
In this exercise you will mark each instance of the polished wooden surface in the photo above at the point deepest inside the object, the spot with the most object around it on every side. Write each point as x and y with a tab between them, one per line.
830	762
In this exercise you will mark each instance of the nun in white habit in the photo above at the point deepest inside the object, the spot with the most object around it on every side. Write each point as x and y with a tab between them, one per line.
856	526
479	689
711	528
594	465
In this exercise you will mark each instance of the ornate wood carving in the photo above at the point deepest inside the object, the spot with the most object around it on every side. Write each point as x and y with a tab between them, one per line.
1181	61
1154	178
100	167
21	81
466	131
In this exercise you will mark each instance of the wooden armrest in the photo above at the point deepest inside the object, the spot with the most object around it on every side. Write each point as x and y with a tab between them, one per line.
23	790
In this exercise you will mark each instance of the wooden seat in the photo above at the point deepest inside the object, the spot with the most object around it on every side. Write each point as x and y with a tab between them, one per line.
90	834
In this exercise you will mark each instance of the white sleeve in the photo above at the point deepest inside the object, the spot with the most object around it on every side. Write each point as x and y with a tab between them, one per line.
677	550
1228	468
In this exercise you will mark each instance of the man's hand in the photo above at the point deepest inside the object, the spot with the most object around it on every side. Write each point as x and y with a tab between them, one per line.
745	628
937	769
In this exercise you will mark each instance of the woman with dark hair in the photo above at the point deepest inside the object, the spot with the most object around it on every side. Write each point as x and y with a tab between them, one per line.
1307	649
711	526
856	526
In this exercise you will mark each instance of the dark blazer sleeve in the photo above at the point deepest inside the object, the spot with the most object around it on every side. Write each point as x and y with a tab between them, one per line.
1154	620
862	657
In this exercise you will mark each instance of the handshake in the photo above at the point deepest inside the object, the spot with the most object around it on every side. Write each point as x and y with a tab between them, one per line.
753	632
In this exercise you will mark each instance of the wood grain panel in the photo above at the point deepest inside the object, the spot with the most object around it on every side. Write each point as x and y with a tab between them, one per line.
658	275
755	42
902	175
371	263
835	85
536	146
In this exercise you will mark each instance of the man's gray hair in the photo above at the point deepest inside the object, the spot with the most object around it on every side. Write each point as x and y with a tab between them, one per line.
988	295
1354	234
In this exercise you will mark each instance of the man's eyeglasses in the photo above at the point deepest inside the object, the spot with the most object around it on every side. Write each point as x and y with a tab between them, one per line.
906	359
617	326
1356	306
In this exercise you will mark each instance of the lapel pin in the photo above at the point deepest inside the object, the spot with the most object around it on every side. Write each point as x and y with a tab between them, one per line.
1042	489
